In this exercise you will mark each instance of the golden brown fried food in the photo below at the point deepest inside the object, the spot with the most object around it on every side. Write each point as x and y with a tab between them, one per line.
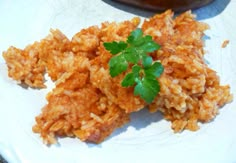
86	42
77	109
25	66
56	54
89	104
99	69
190	91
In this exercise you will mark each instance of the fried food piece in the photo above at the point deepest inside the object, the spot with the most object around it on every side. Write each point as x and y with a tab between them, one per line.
190	91
56	54
79	106
77	109
111	87
29	65
86	42
89	104
160	27
99	69
25	66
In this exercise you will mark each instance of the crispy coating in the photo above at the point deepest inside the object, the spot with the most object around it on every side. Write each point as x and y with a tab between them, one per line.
77	109
25	66
99	69
89	104
56	54
190	90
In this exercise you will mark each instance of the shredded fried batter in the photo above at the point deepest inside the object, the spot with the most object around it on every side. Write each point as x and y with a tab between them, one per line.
89	104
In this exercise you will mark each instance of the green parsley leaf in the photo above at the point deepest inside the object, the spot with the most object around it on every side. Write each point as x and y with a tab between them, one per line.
117	64
149	45
135	37
155	70
147	88
136	70
134	52
115	47
147	61
129	79
131	55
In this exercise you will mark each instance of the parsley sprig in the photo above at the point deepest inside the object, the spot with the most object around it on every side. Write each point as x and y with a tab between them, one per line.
144	72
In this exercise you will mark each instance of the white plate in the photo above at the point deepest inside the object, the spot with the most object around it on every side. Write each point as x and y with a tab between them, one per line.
145	139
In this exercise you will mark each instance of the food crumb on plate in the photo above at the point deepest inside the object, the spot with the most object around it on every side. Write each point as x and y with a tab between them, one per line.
225	43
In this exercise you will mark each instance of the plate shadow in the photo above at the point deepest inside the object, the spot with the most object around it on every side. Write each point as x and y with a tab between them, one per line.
138	120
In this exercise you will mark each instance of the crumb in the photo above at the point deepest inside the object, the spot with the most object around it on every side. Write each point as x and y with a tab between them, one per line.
225	43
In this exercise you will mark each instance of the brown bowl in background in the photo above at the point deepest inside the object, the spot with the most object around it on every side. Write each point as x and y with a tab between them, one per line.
161	5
